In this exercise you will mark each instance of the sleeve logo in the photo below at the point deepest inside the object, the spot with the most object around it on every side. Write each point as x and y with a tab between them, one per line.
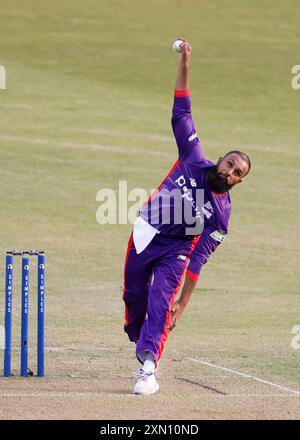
192	137
218	236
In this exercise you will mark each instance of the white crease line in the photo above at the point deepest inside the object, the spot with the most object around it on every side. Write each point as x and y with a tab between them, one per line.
51	394
248	376
47	394
262	395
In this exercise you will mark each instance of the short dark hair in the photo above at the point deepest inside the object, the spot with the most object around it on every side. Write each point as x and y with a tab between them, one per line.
244	156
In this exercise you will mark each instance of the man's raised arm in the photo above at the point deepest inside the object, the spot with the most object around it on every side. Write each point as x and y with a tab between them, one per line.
183	74
189	147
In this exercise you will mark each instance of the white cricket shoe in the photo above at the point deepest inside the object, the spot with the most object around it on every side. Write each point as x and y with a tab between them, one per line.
146	383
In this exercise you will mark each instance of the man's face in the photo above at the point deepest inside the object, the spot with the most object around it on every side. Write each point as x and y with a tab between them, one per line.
232	168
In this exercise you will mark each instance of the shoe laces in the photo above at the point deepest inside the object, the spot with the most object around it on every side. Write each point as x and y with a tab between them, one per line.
144	374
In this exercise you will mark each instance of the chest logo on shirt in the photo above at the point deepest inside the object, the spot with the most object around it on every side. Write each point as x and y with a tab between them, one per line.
193	182
207	209
187	194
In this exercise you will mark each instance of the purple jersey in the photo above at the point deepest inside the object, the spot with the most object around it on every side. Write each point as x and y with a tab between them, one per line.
189	174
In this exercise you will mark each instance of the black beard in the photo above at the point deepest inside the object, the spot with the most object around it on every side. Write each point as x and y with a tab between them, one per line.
216	184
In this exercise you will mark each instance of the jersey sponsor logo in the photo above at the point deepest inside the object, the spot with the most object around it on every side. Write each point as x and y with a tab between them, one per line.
192	137
207	209
188	195
218	236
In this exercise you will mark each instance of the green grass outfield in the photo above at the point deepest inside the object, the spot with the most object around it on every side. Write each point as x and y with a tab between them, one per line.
88	102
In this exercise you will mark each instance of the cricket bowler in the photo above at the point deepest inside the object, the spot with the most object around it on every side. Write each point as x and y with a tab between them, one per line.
163	248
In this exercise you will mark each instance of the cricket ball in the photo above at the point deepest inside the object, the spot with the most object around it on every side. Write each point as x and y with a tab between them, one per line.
176	46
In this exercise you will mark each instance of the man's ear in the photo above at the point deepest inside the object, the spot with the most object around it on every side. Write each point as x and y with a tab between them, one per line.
219	160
